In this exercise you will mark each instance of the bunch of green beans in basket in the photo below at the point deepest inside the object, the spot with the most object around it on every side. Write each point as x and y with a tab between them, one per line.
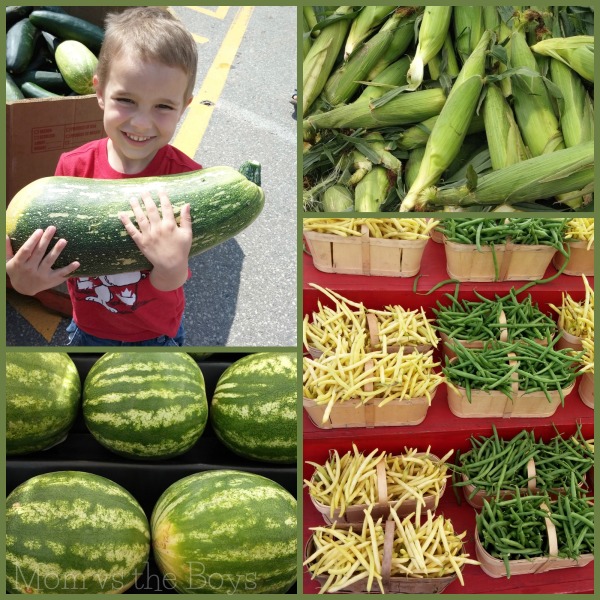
472	320
493	232
493	463
535	367
516	528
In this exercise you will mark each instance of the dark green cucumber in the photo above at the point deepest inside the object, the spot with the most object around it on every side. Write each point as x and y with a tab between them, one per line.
67	27
49	80
86	213
33	90
20	44
12	90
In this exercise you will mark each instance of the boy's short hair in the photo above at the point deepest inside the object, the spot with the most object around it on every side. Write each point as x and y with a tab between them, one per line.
150	33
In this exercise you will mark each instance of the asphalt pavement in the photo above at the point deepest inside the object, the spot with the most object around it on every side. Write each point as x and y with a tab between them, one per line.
242	293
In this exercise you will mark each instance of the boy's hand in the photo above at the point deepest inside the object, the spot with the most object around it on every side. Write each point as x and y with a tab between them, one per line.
30	269
164	243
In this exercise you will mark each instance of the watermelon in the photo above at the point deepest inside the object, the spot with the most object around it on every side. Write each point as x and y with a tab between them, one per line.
43	390
71	532
145	405
253	410
226	532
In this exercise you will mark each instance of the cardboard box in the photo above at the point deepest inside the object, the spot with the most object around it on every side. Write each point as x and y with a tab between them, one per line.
38	131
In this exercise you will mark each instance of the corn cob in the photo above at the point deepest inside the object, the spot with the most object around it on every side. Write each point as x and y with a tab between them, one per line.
532	105
338	198
432	34
320	58
368	19
445	61
306	39
345	81
402	39
417	135
402	110
386	158
372	190
451	127
308	12
567	171
413	164
575	108
392	76
468	29
504	138
577	52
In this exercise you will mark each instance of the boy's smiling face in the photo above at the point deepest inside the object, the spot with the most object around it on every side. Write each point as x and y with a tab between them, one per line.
142	104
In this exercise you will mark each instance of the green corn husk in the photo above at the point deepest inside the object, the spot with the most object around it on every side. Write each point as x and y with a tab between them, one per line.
446	57
321	57
346	80
451	127
338	198
568	172
308	12
404	109
413	164
531	102
577	52
367	21
372	190
505	143
432	35
386	158
575	108
306	39
392	76
417	135
468	29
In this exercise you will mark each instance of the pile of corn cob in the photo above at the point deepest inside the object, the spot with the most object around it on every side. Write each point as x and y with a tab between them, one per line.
446	108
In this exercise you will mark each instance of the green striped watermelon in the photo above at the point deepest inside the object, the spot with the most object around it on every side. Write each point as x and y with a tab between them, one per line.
145	405
226	532
71	532
253	410
43	390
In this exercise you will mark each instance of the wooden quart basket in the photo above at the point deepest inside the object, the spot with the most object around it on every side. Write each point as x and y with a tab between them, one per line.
355	513
364	255
581	260
494	567
391	585
515	262
586	388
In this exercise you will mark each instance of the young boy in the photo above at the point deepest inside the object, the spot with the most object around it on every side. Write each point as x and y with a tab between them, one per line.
144	81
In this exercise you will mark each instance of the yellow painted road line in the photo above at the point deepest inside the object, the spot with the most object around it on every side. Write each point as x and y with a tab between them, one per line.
200	111
219	13
44	321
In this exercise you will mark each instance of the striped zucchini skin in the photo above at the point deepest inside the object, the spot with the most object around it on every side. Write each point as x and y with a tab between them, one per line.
145	405
71	532
85	212
43	390
253	410
226	532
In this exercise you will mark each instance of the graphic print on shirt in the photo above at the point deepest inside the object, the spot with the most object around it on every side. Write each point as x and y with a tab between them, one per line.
117	293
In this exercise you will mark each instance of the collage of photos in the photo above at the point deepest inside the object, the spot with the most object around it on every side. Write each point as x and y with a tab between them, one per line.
347	256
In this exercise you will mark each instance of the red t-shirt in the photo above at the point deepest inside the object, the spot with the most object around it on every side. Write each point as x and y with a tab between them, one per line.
124	307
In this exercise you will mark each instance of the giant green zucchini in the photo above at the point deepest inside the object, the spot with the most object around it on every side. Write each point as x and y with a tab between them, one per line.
85	213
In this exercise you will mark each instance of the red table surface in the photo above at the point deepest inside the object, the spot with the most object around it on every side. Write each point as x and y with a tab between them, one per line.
441	430
378	292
